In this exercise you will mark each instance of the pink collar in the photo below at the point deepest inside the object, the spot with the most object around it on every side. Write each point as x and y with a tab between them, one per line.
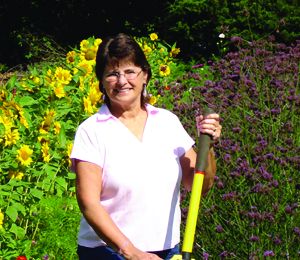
104	114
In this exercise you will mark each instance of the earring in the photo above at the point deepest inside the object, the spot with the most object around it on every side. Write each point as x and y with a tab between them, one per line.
145	94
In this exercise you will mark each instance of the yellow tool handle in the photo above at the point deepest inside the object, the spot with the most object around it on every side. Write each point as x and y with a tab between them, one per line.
191	222
195	199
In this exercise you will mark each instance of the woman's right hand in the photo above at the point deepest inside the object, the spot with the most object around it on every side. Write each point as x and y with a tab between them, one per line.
130	252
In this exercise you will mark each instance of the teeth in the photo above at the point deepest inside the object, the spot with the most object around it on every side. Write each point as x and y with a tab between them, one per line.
122	90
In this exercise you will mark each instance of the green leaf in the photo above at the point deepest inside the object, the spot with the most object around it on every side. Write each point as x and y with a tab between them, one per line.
71	176
36	193
27	101
61	181
11	82
12	213
62	136
20	207
18	231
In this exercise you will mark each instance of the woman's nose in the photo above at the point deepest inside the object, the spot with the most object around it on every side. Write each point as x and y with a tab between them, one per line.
122	78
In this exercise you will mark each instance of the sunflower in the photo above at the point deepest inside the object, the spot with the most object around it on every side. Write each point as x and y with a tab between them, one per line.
153	36
164	70
24	155
11	137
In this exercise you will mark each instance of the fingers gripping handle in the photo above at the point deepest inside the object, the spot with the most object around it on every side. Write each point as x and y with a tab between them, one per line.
204	142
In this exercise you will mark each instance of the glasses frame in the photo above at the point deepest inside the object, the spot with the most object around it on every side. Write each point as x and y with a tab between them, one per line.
117	76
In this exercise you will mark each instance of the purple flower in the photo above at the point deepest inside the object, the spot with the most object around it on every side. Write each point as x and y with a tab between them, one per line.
229	196
224	254
205	256
198	66
269	253
236	129
236	39
219	229
277	240
220	185
227	157
254	238
297	231
45	257
288	209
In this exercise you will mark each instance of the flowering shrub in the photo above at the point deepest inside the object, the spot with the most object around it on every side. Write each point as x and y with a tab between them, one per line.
253	210
40	111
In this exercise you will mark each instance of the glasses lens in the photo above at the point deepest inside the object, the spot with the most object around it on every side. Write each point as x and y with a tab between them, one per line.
131	75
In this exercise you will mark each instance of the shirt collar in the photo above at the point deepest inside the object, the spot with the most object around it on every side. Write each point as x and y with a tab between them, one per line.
104	114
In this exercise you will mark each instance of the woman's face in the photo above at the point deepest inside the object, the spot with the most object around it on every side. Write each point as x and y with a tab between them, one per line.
124	83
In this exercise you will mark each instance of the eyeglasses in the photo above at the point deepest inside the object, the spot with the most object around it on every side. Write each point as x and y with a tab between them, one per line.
129	75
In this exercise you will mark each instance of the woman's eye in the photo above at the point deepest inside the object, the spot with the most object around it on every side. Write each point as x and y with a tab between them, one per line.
113	74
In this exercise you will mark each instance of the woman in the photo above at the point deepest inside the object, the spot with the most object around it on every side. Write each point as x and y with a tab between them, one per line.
130	159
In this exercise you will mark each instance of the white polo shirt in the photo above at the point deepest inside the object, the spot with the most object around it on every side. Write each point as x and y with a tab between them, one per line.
141	179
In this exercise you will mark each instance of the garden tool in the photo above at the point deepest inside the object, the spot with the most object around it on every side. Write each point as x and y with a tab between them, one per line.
204	142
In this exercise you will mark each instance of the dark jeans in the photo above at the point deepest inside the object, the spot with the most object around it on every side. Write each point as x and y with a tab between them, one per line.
106	253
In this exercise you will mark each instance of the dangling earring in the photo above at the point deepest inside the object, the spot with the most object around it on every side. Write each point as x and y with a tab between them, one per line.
145	94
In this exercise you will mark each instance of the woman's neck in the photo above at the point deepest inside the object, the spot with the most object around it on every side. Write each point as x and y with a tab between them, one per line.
128	112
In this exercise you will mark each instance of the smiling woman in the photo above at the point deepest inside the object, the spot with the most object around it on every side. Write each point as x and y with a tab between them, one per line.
117	163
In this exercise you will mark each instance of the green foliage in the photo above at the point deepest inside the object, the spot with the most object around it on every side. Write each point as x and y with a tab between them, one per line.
40	110
196	25
255	200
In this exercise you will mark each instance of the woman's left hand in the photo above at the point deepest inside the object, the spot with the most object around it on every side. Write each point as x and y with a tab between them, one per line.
209	124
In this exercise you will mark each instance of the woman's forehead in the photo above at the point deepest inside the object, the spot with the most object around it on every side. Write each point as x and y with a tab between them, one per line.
120	64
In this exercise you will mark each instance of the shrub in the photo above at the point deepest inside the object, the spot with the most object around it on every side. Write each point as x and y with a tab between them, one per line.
253	210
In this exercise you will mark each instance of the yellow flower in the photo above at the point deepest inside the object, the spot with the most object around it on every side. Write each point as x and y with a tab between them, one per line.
63	76
153	99
94	96
26	87
57	127
69	150
2	95
48	118
75	71
85	67
147	50
1	219
164	70
36	80
71	56
88	108
24	155
174	52
153	36
82	81
84	44
23	120
97	42
16	175
11	137
6	121
89	54
59	91
45	152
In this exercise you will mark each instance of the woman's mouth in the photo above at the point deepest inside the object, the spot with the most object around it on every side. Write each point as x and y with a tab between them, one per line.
123	90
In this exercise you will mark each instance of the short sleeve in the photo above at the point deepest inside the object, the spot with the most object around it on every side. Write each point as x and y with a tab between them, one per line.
182	139
87	147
